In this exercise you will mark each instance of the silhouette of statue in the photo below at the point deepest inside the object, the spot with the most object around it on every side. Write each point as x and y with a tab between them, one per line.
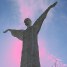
30	52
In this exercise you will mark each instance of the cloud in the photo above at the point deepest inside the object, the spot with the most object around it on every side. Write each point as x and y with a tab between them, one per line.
29	8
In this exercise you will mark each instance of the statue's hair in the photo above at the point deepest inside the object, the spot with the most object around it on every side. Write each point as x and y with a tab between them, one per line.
27	19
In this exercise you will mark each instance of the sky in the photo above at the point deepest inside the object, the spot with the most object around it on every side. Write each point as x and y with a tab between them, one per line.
52	38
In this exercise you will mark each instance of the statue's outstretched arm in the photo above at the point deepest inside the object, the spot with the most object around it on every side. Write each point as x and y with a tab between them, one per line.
6	30
39	21
15	33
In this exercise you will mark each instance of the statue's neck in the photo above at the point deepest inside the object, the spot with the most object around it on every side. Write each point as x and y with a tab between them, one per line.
28	26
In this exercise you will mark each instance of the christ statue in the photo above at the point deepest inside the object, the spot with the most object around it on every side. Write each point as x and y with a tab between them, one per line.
30	51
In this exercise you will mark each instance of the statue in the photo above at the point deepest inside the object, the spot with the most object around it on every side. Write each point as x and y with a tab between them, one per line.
30	52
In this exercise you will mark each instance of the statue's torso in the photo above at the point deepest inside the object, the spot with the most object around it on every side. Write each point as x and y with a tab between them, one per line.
29	36
30	48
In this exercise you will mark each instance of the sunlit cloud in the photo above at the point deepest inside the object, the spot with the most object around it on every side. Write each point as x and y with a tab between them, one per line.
31	7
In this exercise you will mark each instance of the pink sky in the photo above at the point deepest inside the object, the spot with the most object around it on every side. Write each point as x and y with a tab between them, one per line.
14	55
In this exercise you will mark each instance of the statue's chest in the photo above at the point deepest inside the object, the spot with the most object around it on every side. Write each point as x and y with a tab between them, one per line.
28	33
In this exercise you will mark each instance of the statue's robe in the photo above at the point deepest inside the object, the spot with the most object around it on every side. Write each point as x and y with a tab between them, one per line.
30	52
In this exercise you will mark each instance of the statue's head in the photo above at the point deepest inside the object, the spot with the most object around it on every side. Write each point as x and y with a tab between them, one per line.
27	22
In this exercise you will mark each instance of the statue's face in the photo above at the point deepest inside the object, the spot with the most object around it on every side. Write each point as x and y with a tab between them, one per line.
27	22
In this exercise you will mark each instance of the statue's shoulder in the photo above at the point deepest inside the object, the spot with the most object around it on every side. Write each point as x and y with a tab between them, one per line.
29	28
21	30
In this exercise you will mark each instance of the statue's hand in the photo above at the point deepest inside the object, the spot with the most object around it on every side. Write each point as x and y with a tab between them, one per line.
6	30
53	5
